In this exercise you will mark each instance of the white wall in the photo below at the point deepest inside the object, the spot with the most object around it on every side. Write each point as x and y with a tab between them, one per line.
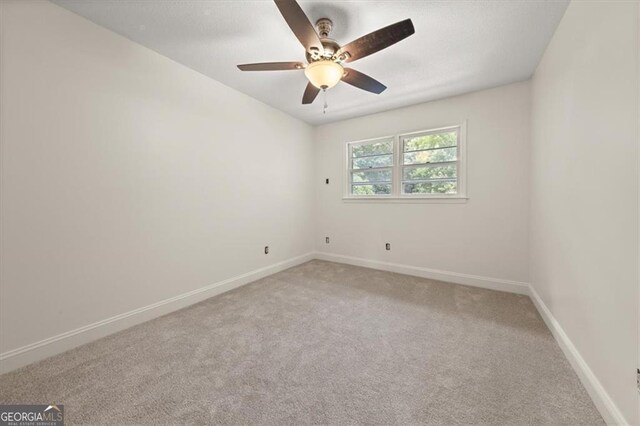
485	237
584	208
128	179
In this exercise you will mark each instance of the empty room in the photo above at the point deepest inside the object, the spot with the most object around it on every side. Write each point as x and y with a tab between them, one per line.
299	212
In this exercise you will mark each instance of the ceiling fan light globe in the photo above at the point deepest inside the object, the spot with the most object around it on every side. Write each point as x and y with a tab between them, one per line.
324	74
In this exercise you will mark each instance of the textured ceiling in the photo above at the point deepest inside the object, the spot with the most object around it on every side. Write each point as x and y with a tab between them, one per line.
458	47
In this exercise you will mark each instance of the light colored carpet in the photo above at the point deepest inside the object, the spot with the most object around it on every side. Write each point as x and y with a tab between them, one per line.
322	343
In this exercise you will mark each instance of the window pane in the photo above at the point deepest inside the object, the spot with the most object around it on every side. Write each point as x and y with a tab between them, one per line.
435	156
430	188
370	162
385	147
437	140
424	173
371	176
371	189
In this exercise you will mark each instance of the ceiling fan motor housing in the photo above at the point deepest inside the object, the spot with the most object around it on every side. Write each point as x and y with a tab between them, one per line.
330	46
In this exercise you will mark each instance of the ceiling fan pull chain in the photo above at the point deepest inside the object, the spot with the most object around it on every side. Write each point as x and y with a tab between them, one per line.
324	108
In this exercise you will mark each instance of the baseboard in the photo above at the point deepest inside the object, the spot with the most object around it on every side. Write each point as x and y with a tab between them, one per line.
607	408
598	394
37	351
434	274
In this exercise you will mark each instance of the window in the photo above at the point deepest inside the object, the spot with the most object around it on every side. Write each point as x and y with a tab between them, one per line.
420	165
430	162
371	167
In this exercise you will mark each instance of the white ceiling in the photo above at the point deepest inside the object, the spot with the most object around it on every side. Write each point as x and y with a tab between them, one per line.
458	47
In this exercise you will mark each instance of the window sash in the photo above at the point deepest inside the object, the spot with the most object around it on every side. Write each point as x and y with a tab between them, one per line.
427	149
371	155
414	135
435	180
431	164
377	182
427	162
398	167
378	168
355	159
422	165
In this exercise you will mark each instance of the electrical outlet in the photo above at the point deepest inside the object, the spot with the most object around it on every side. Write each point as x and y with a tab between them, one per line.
266	249
326	240
387	246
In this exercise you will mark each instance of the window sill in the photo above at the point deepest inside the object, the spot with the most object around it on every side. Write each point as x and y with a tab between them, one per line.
406	200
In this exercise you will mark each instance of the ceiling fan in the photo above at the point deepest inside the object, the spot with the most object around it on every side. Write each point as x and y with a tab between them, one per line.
325	57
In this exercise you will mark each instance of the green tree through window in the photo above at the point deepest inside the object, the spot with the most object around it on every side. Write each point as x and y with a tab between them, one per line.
425	163
430	163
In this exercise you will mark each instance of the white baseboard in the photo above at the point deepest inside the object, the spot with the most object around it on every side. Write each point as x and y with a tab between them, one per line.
37	351
605	405
28	354
434	274
598	394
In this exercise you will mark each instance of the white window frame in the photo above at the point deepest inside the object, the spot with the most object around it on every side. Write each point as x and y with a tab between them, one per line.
397	169
392	167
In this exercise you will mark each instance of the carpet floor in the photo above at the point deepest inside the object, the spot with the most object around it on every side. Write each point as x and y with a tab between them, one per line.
321	343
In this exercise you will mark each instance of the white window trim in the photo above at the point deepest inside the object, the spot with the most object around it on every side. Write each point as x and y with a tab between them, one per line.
397	196
347	166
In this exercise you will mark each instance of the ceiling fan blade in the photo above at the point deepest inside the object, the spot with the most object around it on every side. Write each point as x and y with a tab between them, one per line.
272	66
376	41
300	25
363	81
310	94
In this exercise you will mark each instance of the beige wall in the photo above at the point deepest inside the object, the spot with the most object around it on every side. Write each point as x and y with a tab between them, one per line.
485	237
128	179
584	205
